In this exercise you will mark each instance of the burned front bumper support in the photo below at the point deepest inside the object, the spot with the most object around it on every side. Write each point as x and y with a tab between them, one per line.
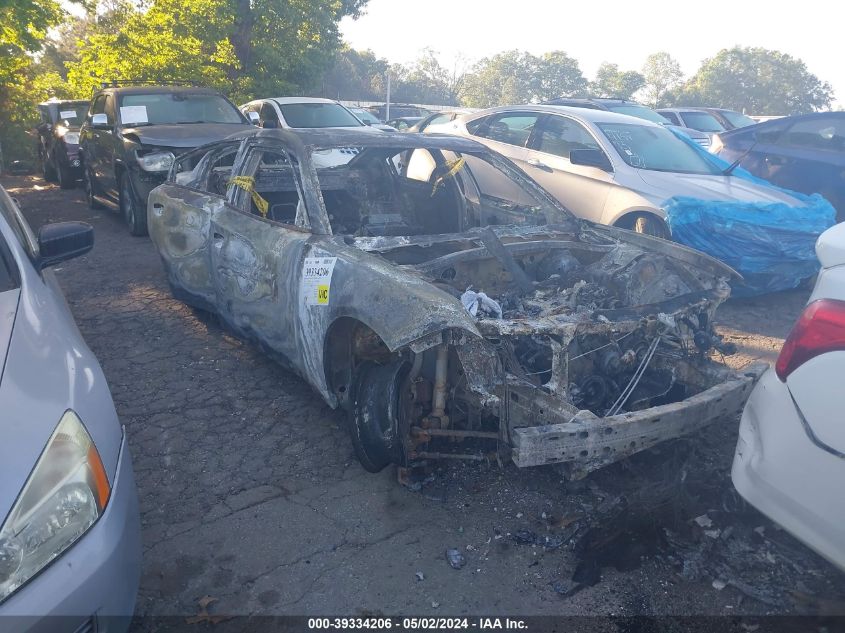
545	429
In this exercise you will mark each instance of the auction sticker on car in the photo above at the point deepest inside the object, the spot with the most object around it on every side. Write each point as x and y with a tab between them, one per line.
67	114
317	280
133	114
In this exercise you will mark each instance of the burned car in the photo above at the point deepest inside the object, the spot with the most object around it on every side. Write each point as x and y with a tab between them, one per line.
450	321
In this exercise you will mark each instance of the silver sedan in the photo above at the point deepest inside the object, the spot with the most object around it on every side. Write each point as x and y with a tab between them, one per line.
69	523
607	167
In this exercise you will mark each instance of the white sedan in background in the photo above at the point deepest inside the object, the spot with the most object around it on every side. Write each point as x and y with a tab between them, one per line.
305	113
607	167
790	457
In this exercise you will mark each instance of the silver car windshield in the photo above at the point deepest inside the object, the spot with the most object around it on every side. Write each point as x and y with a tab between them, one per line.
655	149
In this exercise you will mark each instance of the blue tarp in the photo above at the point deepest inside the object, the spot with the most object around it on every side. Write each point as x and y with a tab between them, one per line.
771	244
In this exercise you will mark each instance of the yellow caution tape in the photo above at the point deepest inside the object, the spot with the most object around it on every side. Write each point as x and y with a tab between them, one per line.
247	183
454	167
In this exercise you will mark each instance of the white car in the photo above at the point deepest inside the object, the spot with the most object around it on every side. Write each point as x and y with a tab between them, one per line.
790	457
299	113
606	167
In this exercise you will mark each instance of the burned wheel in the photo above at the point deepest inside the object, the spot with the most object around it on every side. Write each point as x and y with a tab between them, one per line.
376	412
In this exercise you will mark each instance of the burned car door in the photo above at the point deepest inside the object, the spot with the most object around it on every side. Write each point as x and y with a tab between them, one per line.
180	211
257	241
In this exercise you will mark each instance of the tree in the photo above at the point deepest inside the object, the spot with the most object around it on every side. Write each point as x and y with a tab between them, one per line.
518	77
756	80
611	82
244	47
354	75
661	73
23	27
504	78
556	74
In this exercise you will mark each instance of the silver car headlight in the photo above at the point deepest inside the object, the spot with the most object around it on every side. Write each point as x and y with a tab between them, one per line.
156	161
65	494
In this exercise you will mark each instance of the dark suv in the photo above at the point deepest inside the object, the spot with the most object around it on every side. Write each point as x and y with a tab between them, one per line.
132	135
58	140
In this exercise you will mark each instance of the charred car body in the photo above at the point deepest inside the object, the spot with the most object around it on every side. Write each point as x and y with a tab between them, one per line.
447	320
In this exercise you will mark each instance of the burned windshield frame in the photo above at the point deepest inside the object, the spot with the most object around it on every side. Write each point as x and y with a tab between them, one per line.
472	206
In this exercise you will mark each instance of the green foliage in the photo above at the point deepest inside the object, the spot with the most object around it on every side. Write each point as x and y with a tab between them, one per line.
354	75
612	82
243	47
756	80
519	77
23	26
661	73
23	82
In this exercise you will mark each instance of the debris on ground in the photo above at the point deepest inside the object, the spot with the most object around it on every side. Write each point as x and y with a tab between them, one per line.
455	558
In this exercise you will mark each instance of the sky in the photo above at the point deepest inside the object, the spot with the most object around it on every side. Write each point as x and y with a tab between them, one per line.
621	32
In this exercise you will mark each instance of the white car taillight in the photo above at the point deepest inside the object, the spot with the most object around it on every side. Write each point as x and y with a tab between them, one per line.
819	329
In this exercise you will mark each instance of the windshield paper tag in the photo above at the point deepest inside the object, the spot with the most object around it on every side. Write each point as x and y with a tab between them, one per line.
67	114
317	280
133	114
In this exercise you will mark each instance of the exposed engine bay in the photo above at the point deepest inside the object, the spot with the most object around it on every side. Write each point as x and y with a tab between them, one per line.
595	329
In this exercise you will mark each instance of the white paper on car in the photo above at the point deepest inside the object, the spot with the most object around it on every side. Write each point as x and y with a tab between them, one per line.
317	280
133	114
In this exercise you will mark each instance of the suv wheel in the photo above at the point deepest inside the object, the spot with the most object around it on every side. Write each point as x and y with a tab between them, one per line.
66	181
93	203
135	218
49	169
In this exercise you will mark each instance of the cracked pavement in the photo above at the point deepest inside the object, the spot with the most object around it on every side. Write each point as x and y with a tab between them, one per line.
250	492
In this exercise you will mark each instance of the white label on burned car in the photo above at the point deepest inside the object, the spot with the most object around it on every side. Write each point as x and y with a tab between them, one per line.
317	280
67	114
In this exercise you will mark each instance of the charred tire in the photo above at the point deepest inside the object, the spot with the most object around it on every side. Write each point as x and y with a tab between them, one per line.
88	183
49	169
136	219
648	224
374	418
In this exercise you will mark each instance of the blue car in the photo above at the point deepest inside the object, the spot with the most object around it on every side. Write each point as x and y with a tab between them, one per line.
804	153
70	548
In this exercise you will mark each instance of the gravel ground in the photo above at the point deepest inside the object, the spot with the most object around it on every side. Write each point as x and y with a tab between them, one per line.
251	496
